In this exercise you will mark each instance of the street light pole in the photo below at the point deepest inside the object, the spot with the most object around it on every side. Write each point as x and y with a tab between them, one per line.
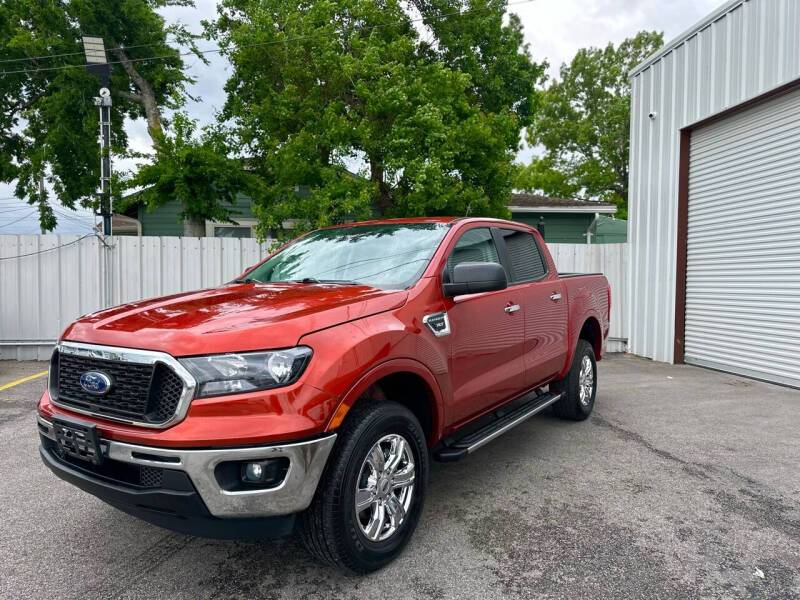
103	101
97	63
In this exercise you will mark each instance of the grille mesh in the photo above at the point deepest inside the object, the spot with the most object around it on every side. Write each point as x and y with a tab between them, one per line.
139	392
151	477
166	393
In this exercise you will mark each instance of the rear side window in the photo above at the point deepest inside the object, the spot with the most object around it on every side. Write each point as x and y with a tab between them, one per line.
527	262
475	245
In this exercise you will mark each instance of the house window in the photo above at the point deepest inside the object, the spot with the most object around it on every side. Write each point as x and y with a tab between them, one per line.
231	231
242	228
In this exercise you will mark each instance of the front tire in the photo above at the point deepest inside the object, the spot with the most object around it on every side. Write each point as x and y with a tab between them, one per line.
579	386
370	497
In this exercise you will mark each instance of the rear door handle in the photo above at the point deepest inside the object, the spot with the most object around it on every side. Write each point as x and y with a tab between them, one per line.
555	297
511	309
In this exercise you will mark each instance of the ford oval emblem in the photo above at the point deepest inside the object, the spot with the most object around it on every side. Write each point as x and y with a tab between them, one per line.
95	382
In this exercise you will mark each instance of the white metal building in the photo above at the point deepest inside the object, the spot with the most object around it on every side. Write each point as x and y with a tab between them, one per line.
715	195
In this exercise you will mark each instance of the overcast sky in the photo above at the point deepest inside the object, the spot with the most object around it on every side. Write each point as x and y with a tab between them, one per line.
555	30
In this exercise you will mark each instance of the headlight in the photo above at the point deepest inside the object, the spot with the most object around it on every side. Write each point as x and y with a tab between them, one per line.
221	374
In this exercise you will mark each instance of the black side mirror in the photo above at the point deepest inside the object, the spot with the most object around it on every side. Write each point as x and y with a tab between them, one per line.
476	277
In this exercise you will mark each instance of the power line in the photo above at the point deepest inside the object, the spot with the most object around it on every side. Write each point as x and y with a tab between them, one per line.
22	218
262	44
83	237
46	56
5	211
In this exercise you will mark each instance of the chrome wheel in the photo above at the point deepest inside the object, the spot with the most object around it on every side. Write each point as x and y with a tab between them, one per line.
586	381
385	487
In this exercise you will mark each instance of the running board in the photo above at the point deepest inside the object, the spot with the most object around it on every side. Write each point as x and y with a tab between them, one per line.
456	449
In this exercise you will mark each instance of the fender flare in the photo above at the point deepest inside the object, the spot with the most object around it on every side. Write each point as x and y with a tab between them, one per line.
573	343
389	367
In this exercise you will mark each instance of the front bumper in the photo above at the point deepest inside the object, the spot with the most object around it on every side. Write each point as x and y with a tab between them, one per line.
306	462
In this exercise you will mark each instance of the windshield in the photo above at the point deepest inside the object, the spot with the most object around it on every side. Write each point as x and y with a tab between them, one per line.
388	256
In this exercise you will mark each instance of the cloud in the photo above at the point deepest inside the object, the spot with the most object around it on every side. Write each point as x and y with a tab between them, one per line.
557	29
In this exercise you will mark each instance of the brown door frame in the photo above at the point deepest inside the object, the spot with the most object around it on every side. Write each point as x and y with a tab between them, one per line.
683	207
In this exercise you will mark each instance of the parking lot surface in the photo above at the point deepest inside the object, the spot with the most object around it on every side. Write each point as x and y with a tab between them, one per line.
683	483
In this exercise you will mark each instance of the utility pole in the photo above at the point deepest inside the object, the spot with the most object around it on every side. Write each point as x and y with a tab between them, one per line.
41	199
103	101
94	49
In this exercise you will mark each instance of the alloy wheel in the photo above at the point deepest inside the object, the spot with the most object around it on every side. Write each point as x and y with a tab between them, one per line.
586	381
385	487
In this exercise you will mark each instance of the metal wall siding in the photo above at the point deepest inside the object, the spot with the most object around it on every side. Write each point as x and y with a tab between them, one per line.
748	49
40	295
743	283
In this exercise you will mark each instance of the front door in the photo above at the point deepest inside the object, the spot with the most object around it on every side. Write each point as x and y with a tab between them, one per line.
487	335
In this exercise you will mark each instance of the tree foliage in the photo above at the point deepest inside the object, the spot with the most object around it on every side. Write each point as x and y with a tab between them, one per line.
431	112
197	172
48	124
583	125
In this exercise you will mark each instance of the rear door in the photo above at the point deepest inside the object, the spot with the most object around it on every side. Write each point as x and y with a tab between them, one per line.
542	301
487	334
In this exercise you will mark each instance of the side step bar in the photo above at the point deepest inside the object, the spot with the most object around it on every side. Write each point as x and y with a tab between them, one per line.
458	448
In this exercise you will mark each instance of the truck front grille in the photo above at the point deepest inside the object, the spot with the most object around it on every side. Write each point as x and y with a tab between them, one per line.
146	393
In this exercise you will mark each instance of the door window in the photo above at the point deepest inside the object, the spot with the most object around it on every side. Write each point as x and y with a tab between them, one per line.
527	262
475	245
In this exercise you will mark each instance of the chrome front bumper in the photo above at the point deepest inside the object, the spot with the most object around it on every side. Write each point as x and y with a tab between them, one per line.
294	494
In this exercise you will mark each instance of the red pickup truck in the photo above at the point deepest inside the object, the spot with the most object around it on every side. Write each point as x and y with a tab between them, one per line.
316	387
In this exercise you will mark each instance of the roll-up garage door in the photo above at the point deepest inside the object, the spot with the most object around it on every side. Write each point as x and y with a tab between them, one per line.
743	259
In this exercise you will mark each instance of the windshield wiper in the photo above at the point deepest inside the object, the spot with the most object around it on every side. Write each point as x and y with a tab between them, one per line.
246	280
311	280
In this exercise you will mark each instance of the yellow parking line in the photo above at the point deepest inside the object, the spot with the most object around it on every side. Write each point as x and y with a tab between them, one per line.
5	386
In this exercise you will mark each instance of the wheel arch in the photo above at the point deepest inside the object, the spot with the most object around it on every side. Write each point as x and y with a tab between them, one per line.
401	380
592	333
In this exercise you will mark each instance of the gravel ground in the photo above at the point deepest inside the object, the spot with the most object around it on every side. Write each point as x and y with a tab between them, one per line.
684	483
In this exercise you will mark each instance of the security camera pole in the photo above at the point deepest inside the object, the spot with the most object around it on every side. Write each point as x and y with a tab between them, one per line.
97	64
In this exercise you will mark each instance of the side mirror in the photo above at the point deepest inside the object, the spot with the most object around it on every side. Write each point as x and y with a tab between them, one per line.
476	277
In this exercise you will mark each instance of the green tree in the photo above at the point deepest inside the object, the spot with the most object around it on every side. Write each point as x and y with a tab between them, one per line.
195	170
583	125
429	109
48	125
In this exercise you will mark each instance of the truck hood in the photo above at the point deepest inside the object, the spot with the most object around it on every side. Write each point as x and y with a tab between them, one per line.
234	318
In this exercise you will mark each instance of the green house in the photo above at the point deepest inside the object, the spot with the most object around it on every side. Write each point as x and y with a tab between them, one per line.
165	220
564	221
569	221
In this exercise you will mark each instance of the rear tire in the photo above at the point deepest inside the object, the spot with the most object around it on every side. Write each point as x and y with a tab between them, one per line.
362	472
579	386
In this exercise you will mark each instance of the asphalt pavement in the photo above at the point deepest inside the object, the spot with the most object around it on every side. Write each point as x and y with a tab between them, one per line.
685	483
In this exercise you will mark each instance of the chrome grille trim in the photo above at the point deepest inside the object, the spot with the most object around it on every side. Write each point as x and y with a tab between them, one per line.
132	355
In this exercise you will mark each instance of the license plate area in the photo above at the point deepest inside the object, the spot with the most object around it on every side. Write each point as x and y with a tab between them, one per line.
78	439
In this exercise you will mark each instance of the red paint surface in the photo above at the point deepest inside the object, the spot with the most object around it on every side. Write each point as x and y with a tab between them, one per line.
359	335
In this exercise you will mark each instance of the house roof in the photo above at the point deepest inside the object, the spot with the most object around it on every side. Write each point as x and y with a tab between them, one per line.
528	203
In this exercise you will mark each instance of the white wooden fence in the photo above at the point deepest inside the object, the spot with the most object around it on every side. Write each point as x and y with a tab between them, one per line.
47	281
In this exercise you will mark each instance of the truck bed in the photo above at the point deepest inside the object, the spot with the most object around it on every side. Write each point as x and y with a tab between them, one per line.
568	275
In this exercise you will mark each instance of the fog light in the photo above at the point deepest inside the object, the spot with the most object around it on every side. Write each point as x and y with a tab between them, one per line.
243	475
263	473
253	472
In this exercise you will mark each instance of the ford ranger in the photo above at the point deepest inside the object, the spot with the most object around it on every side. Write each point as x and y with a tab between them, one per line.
312	391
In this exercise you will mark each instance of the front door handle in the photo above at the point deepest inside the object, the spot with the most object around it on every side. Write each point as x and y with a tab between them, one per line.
512	308
555	297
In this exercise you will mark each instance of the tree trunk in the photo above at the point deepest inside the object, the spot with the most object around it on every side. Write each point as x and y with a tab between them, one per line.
146	96
194	228
384	193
